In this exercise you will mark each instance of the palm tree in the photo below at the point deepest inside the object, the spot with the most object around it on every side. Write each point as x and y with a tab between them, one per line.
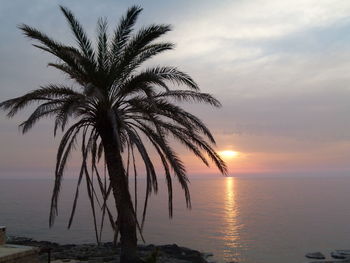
114	106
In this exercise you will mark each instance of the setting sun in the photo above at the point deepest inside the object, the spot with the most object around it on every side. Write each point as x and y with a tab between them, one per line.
228	154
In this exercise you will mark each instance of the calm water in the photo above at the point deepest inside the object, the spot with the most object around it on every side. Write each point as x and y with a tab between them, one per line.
249	220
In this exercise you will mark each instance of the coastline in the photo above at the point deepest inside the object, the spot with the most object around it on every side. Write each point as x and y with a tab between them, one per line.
105	252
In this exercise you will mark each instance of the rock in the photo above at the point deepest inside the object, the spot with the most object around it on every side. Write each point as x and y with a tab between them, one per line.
182	253
207	255
106	252
82	257
108	259
315	255
100	260
68	246
343	251
338	255
17	240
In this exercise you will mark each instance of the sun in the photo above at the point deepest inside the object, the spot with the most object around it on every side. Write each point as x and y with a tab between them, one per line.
228	154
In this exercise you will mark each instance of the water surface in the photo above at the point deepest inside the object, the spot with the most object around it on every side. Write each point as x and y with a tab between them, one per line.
243	219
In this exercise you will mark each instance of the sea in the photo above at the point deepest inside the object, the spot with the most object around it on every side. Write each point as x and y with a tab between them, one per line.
248	220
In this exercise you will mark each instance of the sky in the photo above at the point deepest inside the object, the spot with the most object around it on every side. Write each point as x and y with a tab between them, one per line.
280	69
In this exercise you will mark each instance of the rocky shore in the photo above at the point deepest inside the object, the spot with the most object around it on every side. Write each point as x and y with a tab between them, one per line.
105	252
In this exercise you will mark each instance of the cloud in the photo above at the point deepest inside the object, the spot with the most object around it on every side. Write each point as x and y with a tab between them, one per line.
235	23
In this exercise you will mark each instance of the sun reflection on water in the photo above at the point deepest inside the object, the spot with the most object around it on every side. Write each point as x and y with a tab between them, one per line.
231	235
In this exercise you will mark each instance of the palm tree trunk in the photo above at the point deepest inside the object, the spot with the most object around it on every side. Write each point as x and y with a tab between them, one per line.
119	182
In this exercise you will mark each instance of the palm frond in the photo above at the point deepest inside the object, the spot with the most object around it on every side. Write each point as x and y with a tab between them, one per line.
69	55
134	47
79	33
71	72
144	55
45	109
174	75
45	93
151	174
189	95
102	40
122	33
65	148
